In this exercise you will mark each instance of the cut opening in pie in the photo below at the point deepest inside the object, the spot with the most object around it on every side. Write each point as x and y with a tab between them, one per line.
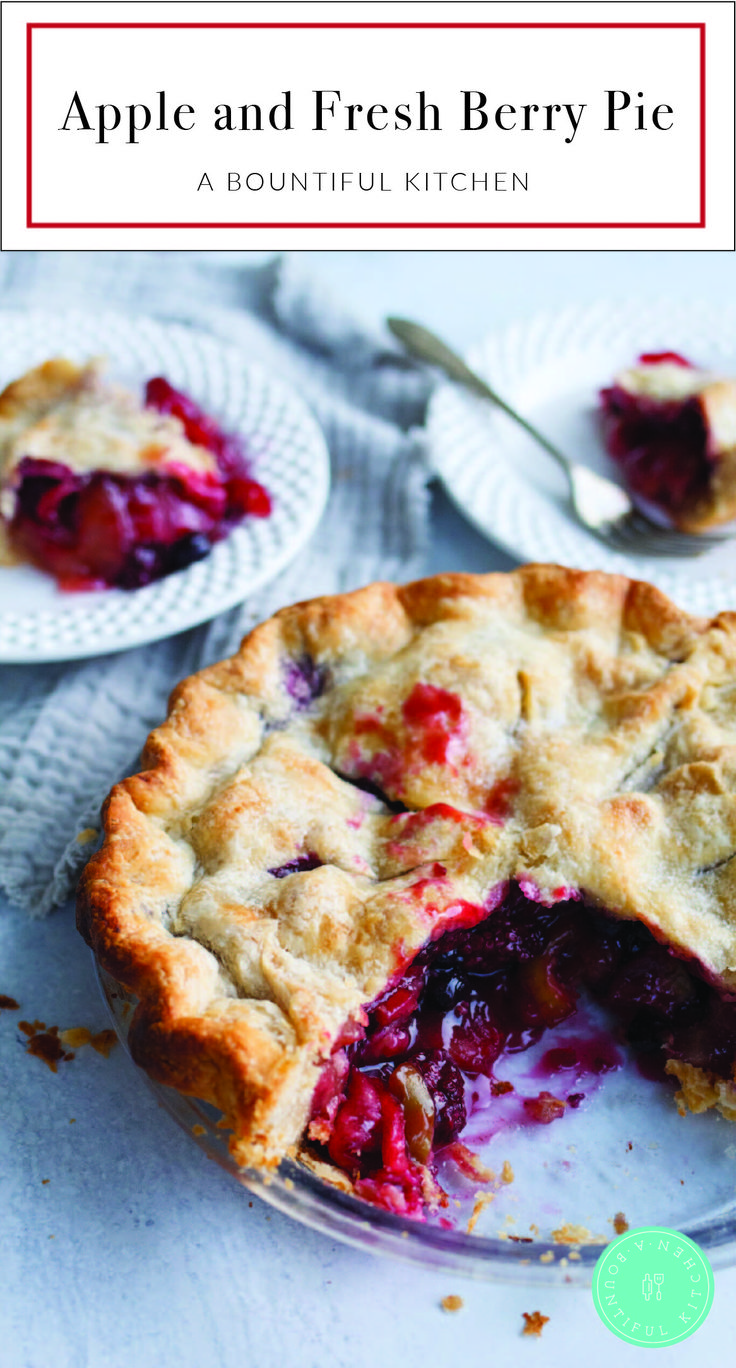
671	429
428	1054
101	490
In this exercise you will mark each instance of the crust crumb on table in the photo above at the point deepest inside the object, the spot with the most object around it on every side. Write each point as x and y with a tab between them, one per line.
452	1303
53	1046
547	1257
44	1181
198	1130
482	1200
103	1042
620	1223
75	1037
44	1044
89	834
8	1004
507	1173
534	1323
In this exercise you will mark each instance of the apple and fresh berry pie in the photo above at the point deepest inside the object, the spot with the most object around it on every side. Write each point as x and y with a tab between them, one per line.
671	428
100	488
404	832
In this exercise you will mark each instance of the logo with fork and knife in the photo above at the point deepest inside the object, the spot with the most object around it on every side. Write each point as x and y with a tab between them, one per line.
653	1286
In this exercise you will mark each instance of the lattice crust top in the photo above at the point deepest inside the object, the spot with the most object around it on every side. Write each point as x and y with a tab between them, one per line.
572	730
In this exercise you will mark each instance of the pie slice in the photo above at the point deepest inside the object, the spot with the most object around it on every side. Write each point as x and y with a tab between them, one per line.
101	489
404	832
672	430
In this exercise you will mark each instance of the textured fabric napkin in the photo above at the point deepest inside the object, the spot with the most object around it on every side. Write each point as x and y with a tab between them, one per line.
69	731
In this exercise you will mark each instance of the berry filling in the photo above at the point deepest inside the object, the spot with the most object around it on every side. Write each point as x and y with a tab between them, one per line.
660	445
305	680
300	865
99	529
404	1082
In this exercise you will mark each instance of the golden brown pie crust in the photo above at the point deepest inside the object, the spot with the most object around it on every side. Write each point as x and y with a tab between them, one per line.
598	730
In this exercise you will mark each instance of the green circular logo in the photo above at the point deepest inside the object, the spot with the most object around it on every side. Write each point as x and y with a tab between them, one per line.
653	1286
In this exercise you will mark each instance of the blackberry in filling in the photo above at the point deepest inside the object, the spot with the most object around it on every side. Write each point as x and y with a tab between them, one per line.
402	1083
100	529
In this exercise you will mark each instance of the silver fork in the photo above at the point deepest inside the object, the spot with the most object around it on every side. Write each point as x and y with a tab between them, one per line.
603	507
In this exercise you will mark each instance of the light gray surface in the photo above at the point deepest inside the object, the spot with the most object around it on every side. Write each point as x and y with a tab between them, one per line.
157	1259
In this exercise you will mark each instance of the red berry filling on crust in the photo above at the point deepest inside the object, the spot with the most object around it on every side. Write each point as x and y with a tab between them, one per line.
661	444
98	529
402	1090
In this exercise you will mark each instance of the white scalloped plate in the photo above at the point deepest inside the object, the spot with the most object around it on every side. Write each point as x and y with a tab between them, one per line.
40	623
551	370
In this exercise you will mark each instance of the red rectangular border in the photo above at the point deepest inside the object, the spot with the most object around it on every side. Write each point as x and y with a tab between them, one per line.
30	28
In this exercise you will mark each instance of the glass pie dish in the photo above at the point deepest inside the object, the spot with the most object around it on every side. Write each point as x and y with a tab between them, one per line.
558	1193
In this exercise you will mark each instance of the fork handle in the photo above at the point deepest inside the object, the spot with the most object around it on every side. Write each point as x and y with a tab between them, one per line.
426	346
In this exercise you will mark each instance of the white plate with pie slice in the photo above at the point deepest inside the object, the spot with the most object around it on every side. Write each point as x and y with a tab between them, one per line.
551	369
286	451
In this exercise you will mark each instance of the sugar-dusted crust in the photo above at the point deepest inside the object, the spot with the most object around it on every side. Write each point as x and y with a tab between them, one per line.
582	728
70	414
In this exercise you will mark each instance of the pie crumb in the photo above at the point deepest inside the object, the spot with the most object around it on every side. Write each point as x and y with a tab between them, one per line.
89	834
289	1184
44	1044
569	1234
507	1173
574	1254
8	1004
198	1130
44	1181
620	1223
104	1042
469	1163
75	1037
534	1323
546	1257
452	1303
482	1200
